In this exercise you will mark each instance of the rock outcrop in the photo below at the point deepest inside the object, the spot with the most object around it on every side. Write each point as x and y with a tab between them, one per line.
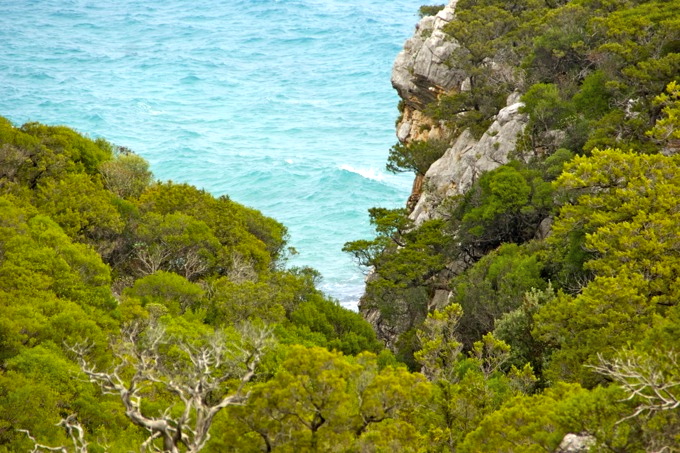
457	169
421	74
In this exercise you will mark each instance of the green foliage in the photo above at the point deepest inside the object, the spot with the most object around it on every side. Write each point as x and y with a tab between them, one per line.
173	291
401	288
667	128
42	378
605	61
416	156
560	48
87	154
323	401
516	327
407	261
593	98
486	31
547	111
175	242
234	302
493	286
419	259
591	73
336	328
526	423
614	197
429	10
554	164
440	348
87	245
241	231
82	207
575	61
505	205
127	175
623	205
88	242
471	110
37	256
467	391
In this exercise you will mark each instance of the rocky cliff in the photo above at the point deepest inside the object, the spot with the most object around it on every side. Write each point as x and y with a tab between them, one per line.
422	73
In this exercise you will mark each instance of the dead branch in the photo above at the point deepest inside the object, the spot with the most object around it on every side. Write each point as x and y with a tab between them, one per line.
645	380
209	365
74	430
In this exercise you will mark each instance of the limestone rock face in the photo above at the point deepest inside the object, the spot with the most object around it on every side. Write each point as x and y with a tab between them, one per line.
420	72
461	165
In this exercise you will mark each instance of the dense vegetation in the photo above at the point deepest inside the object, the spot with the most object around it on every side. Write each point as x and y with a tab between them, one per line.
559	269
146	315
110	277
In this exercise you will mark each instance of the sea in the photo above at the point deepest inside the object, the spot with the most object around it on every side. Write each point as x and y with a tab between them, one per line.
284	105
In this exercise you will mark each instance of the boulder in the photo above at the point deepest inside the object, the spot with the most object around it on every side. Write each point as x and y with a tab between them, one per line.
575	443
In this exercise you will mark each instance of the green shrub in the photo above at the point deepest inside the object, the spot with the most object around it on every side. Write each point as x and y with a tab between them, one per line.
429	10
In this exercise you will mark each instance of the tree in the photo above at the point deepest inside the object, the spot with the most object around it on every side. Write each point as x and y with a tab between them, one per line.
504	205
466	389
667	128
515	328
257	239
83	208
525	423
175	242
479	29
322	322
494	285
416	156
440	348
201	375
648	380
391	226
127	175
84	152
621	210
429	10
549	114
75	432
166	288
320	400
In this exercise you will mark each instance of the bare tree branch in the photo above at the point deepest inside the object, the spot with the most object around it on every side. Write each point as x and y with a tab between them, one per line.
195	379
644	379
74	430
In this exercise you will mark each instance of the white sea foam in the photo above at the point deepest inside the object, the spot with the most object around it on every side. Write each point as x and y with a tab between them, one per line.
368	173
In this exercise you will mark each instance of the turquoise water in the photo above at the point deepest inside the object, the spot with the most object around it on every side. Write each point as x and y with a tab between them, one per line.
285	105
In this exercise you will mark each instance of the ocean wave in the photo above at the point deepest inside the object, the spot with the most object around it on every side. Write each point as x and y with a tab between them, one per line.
190	79
368	173
143	107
